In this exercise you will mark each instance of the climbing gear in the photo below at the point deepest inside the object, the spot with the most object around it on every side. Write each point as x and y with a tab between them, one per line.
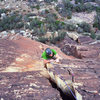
48	51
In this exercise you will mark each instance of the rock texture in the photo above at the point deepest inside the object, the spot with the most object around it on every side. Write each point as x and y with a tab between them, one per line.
86	67
20	67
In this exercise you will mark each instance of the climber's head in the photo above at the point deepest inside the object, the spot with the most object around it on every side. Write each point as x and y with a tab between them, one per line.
49	52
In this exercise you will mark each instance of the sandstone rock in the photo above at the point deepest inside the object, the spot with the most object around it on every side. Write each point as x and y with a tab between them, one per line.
29	83
84	40
73	36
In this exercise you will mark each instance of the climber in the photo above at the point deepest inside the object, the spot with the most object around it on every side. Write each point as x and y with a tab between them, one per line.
50	55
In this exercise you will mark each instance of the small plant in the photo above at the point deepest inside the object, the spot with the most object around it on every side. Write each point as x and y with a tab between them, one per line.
70	27
93	36
79	8
42	39
42	30
54	39
85	26
2	11
98	37
35	23
88	7
67	4
97	21
69	14
11	22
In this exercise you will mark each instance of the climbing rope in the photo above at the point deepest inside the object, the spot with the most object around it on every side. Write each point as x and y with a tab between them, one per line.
66	84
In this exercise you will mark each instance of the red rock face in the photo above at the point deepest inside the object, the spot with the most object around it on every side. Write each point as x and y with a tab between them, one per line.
86	67
20	67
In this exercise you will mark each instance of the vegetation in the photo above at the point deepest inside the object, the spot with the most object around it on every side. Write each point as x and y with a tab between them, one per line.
85	26
97	21
93	35
3	11
70	27
98	37
60	37
11	22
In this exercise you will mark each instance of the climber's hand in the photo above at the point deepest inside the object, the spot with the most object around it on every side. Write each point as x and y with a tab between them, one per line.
46	61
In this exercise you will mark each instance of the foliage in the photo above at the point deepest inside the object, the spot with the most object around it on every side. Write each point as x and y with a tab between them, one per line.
88	7
11	22
67	4
93	35
97	8
70	27
49	1
41	30
79	8
60	37
97	21
98	37
85	26
79	1
2	11
69	14
42	39
35	23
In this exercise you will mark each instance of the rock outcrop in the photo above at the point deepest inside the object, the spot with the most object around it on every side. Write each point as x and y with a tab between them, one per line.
86	67
21	66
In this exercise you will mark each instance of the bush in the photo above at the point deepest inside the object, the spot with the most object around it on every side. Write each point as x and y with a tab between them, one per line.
98	37
93	36
79	8
61	36
35	23
42	39
49	1
85	26
11	22
97	21
19	25
2	11
70	27
69	14
67	4
79	30
79	1
97	9
88	7
42	30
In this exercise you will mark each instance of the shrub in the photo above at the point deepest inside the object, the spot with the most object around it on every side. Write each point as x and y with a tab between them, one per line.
10	22
97	9
98	37
42	39
79	1
93	36
85	26
35	23
60	37
88	7
49	1
41	30
97	21
69	14
70	27
19	25
79	8
67	4
79	30
2	11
